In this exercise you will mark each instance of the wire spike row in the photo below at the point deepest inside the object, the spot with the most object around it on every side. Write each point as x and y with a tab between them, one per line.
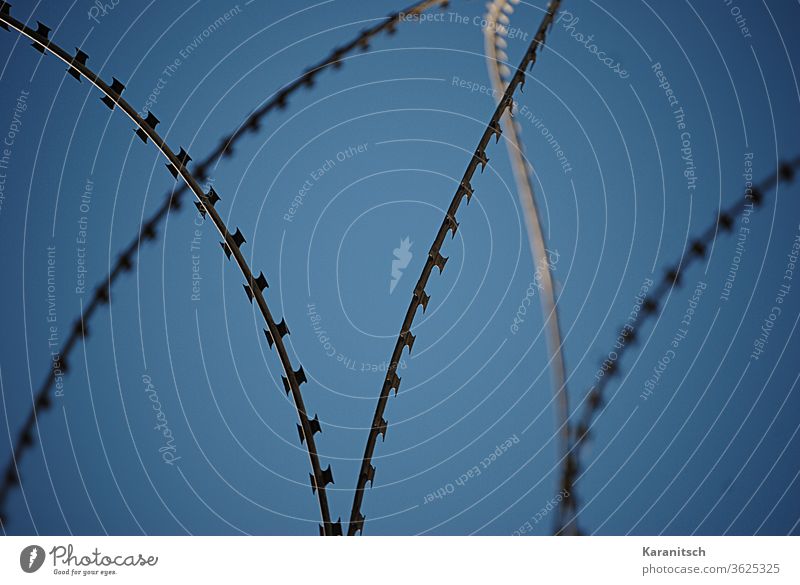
435	258
172	198
260	282
233	242
724	220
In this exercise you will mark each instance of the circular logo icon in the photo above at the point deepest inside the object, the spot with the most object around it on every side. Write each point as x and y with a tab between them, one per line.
31	558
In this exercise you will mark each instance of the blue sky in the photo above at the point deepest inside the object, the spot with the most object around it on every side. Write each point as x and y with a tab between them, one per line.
325	193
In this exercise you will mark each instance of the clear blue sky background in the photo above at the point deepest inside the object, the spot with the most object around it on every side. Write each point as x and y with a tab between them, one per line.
713	451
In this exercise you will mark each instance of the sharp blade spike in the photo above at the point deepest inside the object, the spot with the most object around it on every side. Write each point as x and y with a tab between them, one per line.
5	8
482	159
336	528
466	189
452	224
314	424
408	340
358	524
80	58
249	292
438	260
282	328
495	128
327	476
394	382
381	428
116	88
238	238
261	282
212	196
44	32
422	298
370	474
151	121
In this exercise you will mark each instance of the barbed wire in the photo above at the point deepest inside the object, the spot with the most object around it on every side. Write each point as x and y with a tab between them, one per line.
650	307
435	259
231	244
172	201
497	17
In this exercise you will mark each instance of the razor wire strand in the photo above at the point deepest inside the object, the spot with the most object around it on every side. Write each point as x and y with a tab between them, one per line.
172	201
496	58
254	286
435	259
651	305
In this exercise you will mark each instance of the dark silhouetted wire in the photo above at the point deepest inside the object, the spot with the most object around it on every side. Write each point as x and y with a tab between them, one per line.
435	259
